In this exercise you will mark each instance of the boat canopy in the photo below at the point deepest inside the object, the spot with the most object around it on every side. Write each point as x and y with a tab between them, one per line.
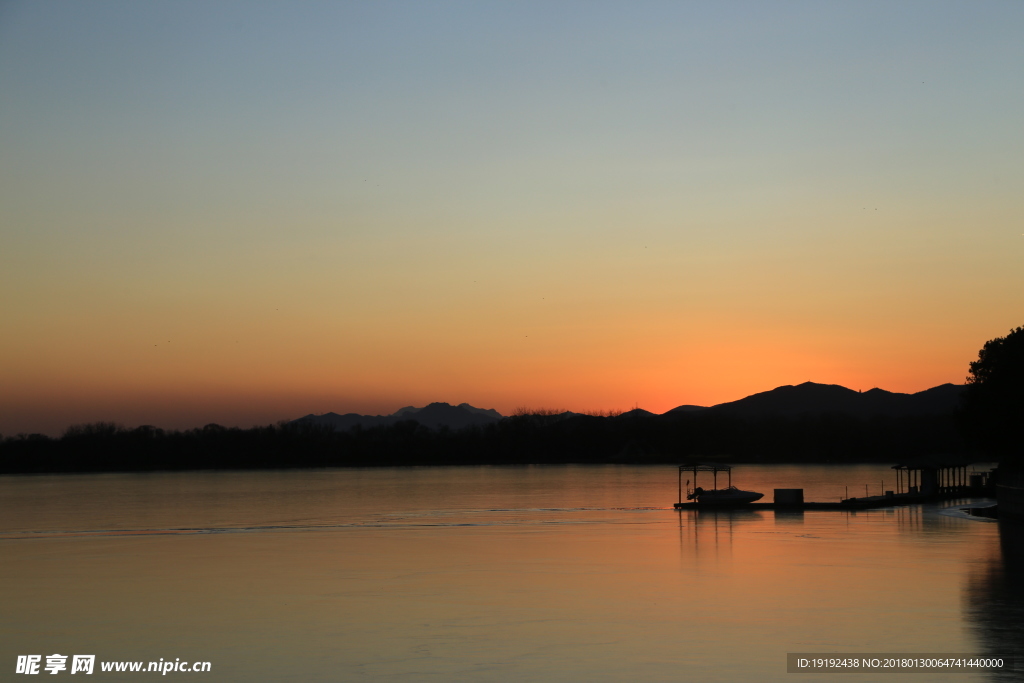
696	467
700	467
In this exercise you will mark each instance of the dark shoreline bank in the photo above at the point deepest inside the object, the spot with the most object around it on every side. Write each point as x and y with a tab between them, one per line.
518	440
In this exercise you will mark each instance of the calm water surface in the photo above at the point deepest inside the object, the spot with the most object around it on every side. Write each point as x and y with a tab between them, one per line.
574	573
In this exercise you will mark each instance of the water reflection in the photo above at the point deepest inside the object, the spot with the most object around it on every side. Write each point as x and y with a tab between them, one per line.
789	517
995	598
711	532
468	574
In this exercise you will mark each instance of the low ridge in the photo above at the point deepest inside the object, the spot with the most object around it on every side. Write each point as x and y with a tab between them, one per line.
809	398
435	416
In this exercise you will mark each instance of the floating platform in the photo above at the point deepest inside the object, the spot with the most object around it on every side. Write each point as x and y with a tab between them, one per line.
807	505
925	482
865	503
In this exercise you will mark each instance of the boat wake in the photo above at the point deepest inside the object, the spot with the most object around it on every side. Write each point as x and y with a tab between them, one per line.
437	518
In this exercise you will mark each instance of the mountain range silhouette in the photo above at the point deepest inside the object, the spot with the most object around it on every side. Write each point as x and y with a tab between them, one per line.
434	415
809	398
806	423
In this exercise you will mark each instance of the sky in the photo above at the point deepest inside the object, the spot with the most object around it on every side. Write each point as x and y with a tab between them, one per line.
243	212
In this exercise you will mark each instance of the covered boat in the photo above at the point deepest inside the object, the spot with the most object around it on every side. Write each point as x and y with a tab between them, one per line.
730	495
727	496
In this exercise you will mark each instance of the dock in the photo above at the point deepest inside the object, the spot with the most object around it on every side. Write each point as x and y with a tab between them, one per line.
865	503
920	481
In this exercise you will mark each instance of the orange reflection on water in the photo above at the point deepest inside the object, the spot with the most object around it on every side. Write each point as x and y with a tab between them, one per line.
560	573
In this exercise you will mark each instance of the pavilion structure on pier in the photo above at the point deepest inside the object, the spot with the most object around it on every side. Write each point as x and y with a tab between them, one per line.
935	475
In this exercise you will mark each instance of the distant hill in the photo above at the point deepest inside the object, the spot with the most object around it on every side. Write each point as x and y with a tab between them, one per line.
685	409
833	424
435	416
810	398
636	413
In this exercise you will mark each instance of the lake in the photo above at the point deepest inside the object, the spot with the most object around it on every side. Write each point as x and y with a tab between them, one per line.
535	573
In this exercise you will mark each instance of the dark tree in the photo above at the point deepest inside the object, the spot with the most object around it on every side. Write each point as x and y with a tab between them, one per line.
993	408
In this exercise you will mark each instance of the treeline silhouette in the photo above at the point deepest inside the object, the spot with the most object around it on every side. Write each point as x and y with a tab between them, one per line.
524	438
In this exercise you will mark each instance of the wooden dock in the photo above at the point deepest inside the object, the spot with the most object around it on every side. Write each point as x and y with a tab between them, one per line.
930	480
865	503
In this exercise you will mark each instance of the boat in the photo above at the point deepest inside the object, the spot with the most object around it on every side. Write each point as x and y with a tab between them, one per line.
729	496
726	496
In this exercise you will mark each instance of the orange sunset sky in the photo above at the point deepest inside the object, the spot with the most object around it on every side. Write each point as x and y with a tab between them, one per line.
246	212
